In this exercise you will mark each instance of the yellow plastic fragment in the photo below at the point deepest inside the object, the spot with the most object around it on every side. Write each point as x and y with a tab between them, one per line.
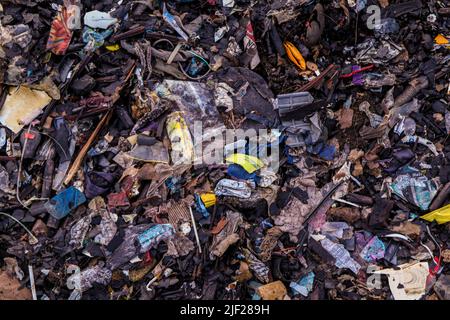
249	163
113	47
440	39
208	199
294	55
441	215
180	138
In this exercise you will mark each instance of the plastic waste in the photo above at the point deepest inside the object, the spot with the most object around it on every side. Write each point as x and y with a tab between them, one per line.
415	188
342	256
374	250
272	291
227	187
292	101
66	20
155	234
22	105
98	19
407	281
181	142
64	202
386	26
248	162
170	19
305	285
441	215
94	39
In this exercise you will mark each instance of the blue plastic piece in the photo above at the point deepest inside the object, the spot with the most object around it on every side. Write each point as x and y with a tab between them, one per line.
328	152
305	285
323	150
239	172
64	202
200	206
152	236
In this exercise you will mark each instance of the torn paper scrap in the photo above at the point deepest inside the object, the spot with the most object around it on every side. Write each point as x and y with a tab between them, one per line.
22	105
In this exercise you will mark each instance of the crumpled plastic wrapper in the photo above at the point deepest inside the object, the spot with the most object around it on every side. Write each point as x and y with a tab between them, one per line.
342	256
259	269
78	232
415	188
85	279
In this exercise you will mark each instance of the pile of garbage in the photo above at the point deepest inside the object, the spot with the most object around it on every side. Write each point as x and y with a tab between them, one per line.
234	149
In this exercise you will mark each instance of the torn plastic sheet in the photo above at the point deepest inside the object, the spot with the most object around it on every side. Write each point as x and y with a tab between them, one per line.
323	150
259	269
157	152
342	256
85	279
94	39
64	202
442	287
228	187
22	105
305	285
60	35
397	113
97	183
197	102
127	249
374	250
227	236
415	188
200	206
335	229
407	281
374	119
372	52
78	232
425	142
318	201
18	34
301	133
98	19
250	46
152	236
248	162
223	96
107	225
170	19
220	33
441	215
237	171
447	117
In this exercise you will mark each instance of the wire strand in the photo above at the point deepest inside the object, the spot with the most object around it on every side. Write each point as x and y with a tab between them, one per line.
35	240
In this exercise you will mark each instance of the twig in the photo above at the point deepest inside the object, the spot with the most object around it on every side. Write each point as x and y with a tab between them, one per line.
79	159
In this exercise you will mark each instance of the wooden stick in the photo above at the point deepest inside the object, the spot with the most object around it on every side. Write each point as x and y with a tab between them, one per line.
79	159
77	163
